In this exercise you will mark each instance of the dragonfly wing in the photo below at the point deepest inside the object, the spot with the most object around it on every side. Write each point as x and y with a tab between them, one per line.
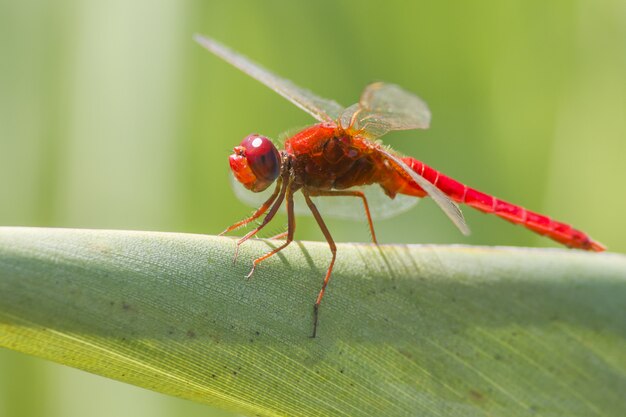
448	206
351	208
385	107
342	207
322	109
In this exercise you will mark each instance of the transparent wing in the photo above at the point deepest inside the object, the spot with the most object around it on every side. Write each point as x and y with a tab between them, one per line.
322	109
385	107
448	206
351	208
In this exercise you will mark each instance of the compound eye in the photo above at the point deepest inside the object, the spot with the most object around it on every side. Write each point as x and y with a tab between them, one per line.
263	158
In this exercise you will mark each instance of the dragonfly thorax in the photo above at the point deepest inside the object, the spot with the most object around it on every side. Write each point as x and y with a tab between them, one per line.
255	162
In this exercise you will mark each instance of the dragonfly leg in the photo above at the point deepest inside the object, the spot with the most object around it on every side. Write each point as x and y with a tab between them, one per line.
333	250
279	236
259	212
268	217
359	194
291	228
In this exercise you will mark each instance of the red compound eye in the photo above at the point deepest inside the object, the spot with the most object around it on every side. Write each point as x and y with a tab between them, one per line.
256	162
262	156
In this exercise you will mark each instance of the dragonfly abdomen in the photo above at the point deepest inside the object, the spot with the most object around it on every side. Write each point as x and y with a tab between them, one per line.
538	223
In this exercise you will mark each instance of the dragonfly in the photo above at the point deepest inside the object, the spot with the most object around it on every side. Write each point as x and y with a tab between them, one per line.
341	154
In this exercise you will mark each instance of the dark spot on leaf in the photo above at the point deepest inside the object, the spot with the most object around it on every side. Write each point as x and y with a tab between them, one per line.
212	375
406	353
257	333
235	373
125	306
497	357
476	396
251	340
112	303
191	334
341	370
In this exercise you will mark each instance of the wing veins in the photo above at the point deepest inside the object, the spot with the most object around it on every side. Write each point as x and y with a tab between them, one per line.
449	207
322	109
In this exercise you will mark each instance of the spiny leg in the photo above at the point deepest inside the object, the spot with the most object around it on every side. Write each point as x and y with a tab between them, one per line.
291	228
258	211
279	236
268	217
333	250
359	194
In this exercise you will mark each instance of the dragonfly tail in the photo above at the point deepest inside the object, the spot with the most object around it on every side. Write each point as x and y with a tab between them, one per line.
538	223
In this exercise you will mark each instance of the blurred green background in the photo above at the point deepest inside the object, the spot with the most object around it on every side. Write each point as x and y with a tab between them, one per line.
111	117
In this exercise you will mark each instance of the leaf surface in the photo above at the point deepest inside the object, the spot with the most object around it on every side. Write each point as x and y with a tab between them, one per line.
404	330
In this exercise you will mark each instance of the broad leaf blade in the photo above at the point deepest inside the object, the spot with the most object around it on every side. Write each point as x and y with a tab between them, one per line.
404	330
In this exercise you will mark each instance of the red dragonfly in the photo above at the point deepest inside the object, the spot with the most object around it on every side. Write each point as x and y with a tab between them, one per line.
340	154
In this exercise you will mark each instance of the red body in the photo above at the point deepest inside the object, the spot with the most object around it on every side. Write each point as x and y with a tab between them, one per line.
325	157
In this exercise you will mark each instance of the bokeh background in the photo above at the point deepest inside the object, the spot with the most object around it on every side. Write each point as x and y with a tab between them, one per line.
111	117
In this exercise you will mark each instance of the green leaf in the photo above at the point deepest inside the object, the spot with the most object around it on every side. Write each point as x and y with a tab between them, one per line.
404	330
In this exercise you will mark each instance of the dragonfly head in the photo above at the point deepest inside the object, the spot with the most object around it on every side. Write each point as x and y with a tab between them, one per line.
255	162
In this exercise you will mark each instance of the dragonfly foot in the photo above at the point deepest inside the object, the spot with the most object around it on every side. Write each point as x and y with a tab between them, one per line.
251	271
236	253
